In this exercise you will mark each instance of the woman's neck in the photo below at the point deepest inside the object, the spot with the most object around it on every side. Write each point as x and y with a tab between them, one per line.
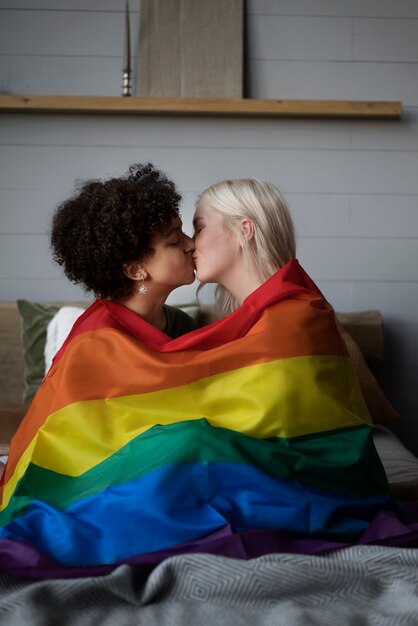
242	283
151	310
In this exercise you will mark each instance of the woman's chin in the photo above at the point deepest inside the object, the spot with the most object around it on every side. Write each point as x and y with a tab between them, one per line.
203	277
191	278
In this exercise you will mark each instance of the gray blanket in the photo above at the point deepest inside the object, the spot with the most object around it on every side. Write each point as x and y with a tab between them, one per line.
356	586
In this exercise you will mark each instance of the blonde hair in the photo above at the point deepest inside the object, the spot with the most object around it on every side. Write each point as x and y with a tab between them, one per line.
273	244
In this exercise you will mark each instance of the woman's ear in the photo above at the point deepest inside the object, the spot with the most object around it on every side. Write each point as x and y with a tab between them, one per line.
134	271
248	228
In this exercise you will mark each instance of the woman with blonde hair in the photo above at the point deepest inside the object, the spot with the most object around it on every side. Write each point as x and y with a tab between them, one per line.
254	215
292	384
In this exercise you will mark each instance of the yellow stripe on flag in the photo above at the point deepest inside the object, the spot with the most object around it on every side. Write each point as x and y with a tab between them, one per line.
286	398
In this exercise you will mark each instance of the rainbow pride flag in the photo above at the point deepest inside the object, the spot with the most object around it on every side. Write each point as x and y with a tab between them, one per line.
138	446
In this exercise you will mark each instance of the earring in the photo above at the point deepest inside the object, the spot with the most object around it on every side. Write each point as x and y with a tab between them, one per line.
142	289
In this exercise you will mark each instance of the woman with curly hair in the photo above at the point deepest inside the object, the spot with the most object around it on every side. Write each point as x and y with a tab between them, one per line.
122	239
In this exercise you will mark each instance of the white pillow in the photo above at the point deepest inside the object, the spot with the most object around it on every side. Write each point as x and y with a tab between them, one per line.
57	331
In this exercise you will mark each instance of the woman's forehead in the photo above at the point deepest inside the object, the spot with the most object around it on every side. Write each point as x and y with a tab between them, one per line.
201	211
175	226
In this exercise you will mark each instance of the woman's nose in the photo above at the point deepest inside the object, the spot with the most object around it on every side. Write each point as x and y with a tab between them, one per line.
189	245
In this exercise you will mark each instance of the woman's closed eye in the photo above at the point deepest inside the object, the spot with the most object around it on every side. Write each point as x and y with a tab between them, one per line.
181	238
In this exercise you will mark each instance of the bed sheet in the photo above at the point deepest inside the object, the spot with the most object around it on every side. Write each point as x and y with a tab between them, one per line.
400	464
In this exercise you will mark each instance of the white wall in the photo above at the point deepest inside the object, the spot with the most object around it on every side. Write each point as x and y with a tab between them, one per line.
352	186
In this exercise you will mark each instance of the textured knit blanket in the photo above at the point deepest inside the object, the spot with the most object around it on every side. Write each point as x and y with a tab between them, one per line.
367	585
245	437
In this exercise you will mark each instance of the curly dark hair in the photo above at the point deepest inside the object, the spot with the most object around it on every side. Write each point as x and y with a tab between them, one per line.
110	223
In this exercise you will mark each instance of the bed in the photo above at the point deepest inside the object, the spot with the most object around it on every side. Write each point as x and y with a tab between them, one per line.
355	585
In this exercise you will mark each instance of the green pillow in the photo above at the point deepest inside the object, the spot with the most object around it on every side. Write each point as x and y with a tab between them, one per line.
34	319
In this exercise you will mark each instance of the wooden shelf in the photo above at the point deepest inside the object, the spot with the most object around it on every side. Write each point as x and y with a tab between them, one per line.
13	103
